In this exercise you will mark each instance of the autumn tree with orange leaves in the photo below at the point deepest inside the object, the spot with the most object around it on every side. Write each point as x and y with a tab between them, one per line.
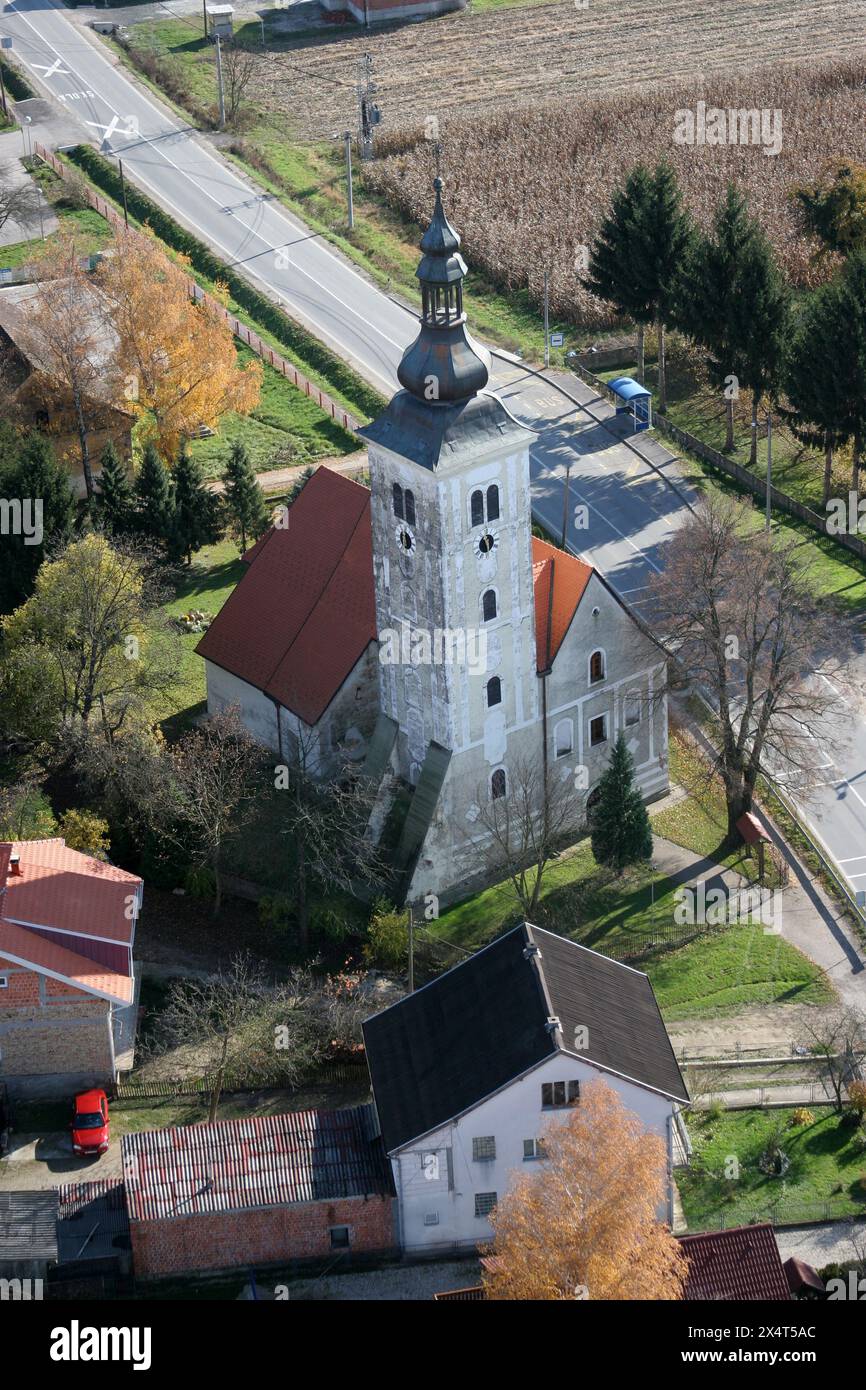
175	361
585	1223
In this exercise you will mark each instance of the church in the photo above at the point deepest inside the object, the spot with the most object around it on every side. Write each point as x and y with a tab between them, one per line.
418	630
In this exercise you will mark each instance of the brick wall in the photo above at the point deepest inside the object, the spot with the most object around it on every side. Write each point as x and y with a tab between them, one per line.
50	1028
267	1235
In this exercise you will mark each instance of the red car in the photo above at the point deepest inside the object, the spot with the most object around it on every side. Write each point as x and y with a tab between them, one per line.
90	1123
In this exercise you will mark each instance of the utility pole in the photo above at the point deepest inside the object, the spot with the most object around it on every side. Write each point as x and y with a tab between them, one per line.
123	193
562	544
351	202
369	114
204	15
3	95
411	951
222	98
546	319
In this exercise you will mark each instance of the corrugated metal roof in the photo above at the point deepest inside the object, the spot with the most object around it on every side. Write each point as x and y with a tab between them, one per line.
271	1160
28	1225
92	1222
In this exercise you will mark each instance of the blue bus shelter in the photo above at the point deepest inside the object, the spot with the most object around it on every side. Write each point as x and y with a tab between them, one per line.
634	400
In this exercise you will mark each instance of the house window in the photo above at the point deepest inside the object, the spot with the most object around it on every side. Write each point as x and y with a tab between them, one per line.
493	503
339	1237
488	605
484	1203
494	691
4	982
563	738
596	667
397	494
476	504
409	501
631	712
533	1148
598	730
484	1149
431	1218
497	784
556	1094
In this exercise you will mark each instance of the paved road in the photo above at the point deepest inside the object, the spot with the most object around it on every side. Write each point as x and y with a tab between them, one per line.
632	511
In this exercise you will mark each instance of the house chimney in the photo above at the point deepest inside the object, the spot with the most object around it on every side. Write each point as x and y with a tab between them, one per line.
15	866
553	1025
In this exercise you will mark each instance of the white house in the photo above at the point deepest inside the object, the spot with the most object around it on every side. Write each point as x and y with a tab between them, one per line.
467	1071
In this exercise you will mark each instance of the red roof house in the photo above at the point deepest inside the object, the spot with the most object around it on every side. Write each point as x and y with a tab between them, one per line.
742	1264
67	927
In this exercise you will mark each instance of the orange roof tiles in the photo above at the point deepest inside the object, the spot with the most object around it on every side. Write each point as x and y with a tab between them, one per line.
304	612
569	577
28	948
62	889
741	1264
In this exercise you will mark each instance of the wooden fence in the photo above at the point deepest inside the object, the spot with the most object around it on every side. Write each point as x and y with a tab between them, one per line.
744	478
240	330
329	1073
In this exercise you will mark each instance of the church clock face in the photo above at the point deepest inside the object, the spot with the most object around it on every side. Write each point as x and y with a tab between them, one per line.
406	549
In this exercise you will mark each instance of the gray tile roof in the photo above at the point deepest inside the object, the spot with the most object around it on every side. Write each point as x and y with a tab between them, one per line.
440	1051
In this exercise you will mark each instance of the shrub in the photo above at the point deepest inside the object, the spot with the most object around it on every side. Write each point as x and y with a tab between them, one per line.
276	913
200	881
857	1097
387	938
802	1116
715	1110
86	832
328	918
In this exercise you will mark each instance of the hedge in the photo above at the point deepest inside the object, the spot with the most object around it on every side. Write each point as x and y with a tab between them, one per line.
310	355
17	86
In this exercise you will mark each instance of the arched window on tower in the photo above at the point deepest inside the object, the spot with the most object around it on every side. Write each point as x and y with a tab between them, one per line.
477	505
397	494
494	691
596	666
498	785
488	605
493	502
409	500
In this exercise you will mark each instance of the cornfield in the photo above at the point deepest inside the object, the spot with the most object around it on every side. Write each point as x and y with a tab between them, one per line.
541	110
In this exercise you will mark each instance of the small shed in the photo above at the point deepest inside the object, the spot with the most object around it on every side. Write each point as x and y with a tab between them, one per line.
634	400
753	833
28	1234
220	20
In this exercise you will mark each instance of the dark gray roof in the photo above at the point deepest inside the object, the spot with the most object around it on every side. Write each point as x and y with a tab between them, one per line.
431	433
477	1027
28	1225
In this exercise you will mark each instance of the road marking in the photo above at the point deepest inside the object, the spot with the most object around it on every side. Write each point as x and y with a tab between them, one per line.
189	178
853	859
54	70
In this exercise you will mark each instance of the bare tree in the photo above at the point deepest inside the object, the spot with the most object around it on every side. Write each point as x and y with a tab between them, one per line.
522	830
217	771
739	612
839	1040
19	202
237	1020
66	337
239	68
325	823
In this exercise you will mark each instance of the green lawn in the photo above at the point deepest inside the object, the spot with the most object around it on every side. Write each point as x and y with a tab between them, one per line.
206	585
825	1166
286	429
91	233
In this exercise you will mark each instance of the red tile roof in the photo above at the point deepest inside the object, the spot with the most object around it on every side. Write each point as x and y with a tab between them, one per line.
304	612
47	958
569	577
741	1264
62	889
271	1160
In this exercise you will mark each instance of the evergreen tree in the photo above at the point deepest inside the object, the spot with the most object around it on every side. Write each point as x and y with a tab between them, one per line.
734	302
32	475
848	309
811	378
116	496
244	499
661	246
619	825
197	519
155	505
299	484
615	254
